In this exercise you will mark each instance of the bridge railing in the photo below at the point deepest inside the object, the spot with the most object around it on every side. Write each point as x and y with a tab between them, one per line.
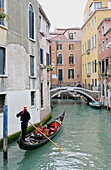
76	84
64	84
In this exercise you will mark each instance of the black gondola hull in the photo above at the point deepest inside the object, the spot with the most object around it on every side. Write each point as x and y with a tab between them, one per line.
30	145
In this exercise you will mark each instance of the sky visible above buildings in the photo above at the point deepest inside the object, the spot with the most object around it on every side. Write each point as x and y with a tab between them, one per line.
64	13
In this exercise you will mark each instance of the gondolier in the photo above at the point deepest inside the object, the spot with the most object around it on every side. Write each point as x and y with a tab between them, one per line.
34	140
25	117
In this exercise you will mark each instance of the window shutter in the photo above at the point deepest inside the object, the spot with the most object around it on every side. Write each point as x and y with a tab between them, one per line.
41	56
57	59
73	74
68	74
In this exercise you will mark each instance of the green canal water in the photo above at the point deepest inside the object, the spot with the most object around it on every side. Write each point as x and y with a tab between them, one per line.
85	138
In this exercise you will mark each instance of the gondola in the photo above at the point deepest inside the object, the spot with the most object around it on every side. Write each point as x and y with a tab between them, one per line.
36	139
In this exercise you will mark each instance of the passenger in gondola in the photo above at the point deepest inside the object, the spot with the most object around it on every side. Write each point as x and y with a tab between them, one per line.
25	117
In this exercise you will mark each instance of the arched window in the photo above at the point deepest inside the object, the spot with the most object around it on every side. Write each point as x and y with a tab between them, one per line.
71	59
59	59
31	22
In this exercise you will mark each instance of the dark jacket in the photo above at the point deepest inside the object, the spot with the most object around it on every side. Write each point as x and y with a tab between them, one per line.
24	116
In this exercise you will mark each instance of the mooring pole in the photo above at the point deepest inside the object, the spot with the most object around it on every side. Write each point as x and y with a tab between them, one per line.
5	130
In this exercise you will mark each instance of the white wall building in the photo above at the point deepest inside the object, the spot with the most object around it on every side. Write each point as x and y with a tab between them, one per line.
20	82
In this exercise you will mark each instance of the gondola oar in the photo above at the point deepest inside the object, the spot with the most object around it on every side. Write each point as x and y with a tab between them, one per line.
46	137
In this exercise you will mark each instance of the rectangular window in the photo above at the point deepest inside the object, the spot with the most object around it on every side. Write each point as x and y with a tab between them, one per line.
95	41
88	45
82	69
103	46
89	26
106	64
47	59
31	65
41	95
41	56
71	59
92	23
95	82
89	68
103	30
39	22
31	22
106	41
85	47
95	67
99	67
71	46
2	61
59	59
32	98
2	102
102	66
95	20
92	66
48	92
85	69
99	48
92	82
97	5
70	74
82	49
85	30
92	42
60	75
59	46
71	36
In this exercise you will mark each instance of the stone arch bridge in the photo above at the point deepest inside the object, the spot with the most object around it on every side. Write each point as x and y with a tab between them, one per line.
88	94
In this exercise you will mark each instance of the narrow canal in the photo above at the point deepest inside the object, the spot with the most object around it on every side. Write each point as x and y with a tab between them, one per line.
85	138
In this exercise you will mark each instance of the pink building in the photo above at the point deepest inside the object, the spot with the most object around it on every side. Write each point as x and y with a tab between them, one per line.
104	33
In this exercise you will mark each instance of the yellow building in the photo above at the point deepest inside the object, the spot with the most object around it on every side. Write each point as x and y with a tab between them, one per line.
95	12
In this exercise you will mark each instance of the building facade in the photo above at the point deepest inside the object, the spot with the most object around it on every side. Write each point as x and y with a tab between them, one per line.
94	13
20	62
104	32
66	56
44	45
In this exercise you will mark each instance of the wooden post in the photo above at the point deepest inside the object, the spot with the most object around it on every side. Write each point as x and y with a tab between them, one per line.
5	130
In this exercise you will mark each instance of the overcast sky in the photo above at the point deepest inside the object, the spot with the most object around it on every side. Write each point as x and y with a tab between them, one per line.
64	13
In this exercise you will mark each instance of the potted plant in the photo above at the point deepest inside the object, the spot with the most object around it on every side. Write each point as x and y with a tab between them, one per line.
49	68
2	14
